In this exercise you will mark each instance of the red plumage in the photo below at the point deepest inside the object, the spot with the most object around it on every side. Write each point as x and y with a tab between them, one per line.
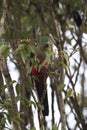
40	82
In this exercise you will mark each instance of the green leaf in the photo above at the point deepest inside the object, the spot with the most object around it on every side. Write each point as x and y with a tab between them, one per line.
26	102
17	87
8	104
3	121
60	87
18	50
22	51
69	93
66	58
45	39
3	89
16	121
32	103
64	65
51	74
78	97
19	119
17	98
23	55
4	50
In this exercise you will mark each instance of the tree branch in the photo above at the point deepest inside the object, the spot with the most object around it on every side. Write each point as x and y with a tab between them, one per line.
2	21
5	72
61	81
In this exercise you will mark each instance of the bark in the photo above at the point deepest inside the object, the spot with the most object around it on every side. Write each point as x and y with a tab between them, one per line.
78	111
60	99
14	39
2	21
5	72
1	85
4	68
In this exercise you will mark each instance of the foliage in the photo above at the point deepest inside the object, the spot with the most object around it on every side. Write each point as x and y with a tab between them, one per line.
55	29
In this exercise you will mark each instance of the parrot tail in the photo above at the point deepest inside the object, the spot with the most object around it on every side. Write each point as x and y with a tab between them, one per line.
43	99
40	83
45	104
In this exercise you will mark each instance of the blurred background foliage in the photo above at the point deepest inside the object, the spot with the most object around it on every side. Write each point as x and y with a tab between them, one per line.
26	26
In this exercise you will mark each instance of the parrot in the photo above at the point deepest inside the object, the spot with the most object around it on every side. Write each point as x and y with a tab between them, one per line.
40	74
